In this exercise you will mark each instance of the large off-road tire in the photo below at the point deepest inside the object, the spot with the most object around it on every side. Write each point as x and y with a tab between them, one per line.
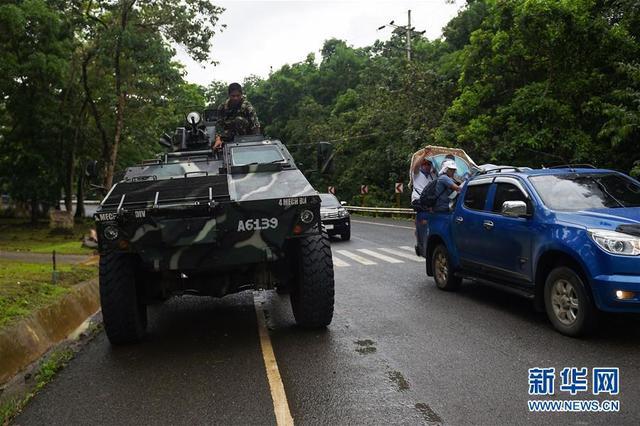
123	314
312	295
568	303
443	273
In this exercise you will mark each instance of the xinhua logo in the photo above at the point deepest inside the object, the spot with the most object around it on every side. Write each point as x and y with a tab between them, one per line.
574	381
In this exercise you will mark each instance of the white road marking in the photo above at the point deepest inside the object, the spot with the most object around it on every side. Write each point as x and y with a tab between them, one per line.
278	395
402	254
339	262
357	258
380	256
383	224
408	248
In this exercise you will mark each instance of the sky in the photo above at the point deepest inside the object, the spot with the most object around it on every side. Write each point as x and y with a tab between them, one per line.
264	35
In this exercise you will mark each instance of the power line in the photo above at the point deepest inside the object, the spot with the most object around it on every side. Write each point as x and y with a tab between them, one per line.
408	29
338	140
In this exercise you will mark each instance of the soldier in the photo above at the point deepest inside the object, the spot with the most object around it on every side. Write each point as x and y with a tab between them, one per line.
236	116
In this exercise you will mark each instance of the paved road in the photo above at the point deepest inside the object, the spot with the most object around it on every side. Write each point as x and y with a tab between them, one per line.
399	351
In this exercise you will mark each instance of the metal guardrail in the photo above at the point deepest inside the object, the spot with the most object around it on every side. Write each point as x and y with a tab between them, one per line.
381	210
86	202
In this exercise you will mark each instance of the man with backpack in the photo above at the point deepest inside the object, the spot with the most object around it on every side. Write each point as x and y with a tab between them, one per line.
422	174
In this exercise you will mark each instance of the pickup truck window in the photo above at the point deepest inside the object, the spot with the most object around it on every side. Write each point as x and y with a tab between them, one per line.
508	192
587	191
476	196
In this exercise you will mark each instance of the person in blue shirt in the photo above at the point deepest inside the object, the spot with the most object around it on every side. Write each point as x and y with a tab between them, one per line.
445	186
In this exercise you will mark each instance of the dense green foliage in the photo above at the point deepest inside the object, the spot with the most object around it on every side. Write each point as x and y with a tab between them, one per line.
535	82
91	79
528	82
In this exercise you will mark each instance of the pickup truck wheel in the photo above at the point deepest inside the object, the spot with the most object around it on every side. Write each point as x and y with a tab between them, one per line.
123	314
313	293
346	235
567	302
442	271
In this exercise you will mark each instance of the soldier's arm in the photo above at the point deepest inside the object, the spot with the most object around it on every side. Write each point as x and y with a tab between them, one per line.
221	125
253	120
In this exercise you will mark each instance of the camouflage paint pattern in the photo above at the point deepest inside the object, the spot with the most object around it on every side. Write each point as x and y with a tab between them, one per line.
246	221
237	120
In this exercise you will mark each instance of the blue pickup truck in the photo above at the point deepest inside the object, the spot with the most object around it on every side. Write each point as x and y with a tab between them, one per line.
567	238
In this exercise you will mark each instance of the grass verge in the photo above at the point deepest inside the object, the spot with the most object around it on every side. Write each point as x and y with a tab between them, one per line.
20	235
46	372
25	287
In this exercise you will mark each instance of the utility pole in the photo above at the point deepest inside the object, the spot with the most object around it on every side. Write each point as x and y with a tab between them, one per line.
408	30
409	35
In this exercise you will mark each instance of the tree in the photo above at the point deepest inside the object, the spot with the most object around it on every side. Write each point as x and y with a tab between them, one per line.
34	48
537	80
130	40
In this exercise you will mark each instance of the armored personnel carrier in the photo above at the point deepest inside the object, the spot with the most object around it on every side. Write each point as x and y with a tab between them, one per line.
196	220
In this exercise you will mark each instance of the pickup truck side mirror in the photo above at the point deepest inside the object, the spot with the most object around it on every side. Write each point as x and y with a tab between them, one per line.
514	209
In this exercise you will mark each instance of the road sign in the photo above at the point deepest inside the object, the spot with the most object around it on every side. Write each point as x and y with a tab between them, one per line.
331	190
399	188
364	189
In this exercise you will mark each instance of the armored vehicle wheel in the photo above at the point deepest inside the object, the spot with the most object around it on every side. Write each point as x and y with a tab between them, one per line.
124	316
312	294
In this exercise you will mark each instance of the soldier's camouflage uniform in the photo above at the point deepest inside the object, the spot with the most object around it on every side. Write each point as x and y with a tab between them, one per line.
237	120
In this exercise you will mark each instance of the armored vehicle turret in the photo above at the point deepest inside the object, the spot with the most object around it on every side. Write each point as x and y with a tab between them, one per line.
211	222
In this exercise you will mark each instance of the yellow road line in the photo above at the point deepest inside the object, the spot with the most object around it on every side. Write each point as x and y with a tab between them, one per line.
278	395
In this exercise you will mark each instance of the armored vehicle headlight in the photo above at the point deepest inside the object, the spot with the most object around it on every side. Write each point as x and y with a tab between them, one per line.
110	232
306	216
616	242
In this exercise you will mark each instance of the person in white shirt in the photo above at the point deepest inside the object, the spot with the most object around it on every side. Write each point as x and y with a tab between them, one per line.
422	173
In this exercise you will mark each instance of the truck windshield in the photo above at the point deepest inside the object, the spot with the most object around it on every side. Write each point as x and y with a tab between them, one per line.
328	200
587	191
261	154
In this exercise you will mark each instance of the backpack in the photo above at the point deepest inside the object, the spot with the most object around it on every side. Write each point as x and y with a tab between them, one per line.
428	196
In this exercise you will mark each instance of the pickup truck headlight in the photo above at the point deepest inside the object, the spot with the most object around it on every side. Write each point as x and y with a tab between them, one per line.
343	213
616	242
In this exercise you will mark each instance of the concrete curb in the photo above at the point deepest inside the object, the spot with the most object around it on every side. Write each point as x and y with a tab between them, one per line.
26	341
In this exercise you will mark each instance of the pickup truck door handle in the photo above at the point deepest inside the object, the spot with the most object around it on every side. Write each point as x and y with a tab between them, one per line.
488	225
459	219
